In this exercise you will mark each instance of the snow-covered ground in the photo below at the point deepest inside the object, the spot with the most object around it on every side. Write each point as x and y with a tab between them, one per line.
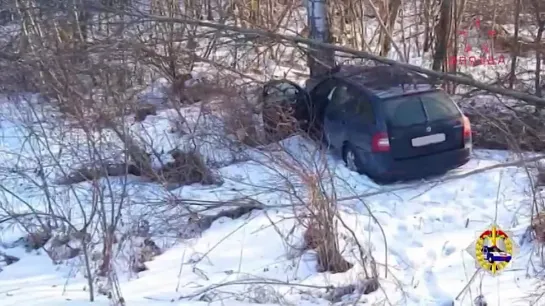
421	229
417	232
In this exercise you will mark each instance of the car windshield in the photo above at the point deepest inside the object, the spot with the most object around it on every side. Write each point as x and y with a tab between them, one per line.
494	249
419	109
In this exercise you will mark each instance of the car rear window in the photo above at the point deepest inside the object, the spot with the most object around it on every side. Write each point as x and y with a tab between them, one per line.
419	109
439	106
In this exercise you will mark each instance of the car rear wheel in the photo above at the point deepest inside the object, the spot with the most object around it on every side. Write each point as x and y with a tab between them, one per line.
355	162
352	160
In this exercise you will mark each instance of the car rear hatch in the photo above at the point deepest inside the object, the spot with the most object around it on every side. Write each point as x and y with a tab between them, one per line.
423	124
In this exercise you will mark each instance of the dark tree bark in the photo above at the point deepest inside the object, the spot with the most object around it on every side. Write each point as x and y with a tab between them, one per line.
539	57
442	31
515	50
427	29
390	20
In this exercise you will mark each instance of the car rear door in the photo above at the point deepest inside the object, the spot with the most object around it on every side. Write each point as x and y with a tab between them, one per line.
335	117
361	121
319	95
423	124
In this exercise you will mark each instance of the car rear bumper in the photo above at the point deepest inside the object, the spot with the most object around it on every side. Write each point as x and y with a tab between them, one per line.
417	168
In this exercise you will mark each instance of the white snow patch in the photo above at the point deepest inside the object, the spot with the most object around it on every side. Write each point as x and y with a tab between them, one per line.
422	229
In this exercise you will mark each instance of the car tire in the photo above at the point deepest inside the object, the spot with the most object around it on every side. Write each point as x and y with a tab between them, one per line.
360	166
352	159
382	180
324	140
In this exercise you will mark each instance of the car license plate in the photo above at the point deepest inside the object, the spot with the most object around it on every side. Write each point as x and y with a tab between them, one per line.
427	140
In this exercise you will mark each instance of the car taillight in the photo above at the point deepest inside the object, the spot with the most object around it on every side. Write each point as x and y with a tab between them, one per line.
467	128
380	143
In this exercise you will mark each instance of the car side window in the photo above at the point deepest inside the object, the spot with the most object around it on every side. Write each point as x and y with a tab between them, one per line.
340	96
364	110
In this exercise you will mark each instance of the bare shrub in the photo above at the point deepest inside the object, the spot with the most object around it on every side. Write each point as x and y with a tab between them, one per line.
238	113
278	114
540	178
321	230
60	248
319	215
497	131
144	111
538	227
38	239
187	168
317	212
279	122
94	172
144	252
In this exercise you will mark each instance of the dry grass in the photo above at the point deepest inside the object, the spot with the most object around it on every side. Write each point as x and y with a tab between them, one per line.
239	119
540	178
186	169
497	132
278	122
321	230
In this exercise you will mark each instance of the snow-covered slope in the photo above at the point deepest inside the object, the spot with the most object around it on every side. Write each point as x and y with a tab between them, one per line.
421	233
